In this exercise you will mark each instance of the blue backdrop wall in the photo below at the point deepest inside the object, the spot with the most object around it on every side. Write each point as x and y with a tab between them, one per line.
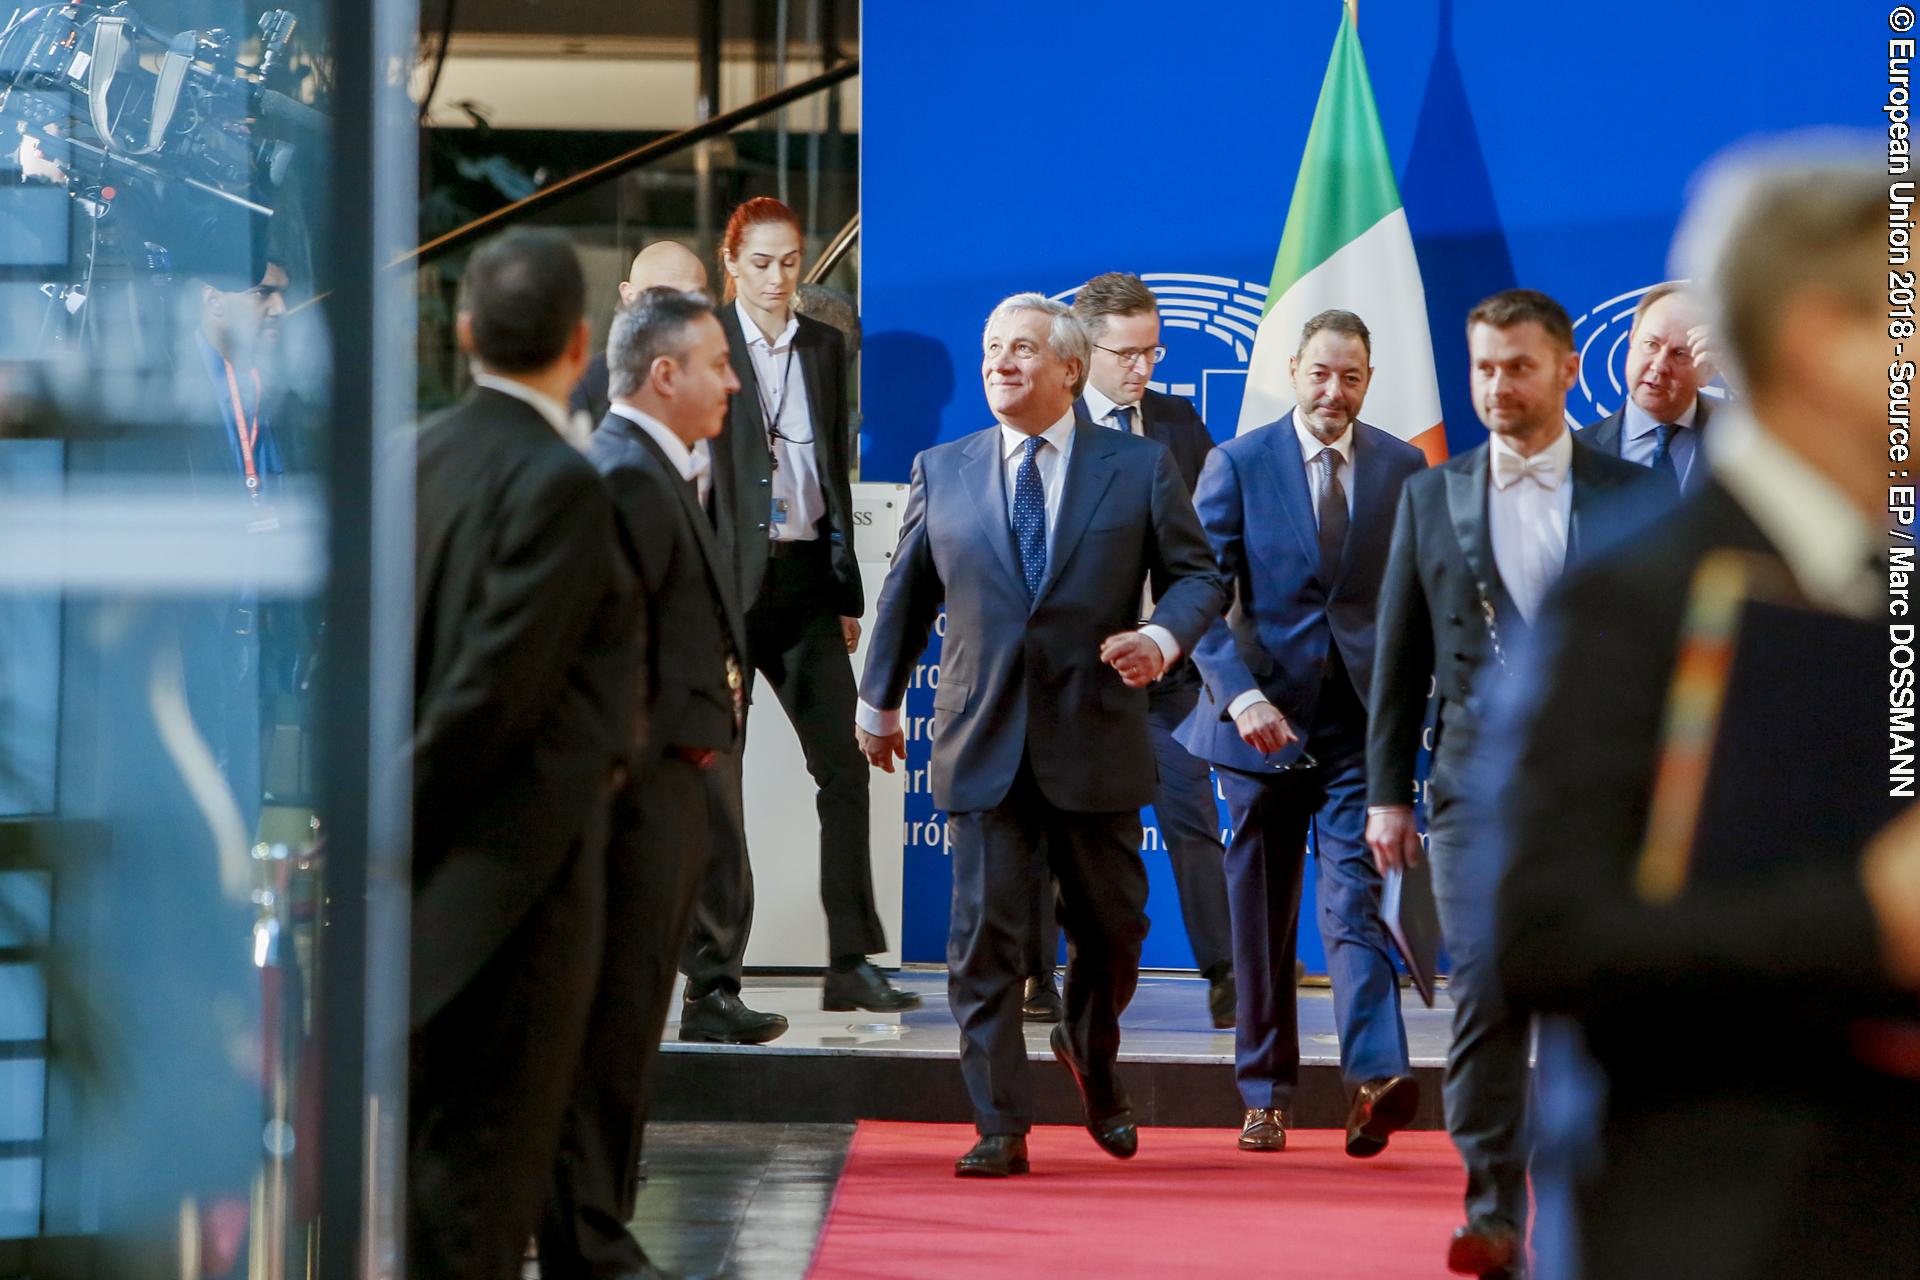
1030	148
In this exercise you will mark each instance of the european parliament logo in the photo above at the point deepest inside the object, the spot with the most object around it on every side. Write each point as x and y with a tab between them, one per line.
1207	324
1600	336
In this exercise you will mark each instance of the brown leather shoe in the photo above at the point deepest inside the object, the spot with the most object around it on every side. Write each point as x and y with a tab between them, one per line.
1485	1247
1264	1129
1380	1107
998	1155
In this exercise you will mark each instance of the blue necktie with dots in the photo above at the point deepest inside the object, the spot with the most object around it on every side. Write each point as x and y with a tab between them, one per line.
1030	518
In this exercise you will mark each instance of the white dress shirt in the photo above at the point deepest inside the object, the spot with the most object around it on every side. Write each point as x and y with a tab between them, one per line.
1101	408
783	393
1051	459
1310	447
575	430
1639	438
1822	536
1529	507
693	464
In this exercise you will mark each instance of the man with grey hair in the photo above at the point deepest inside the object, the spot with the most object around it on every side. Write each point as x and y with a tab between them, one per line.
1037	535
1753	1015
671	379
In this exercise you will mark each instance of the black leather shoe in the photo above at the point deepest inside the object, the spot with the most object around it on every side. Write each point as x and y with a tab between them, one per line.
1380	1107
1109	1120
1487	1247
1042	1001
719	1017
1263	1129
1222	999
864	987
996	1156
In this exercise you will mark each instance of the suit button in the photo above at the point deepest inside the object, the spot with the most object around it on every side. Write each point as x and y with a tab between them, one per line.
765	483
1454	618
760	526
1463	686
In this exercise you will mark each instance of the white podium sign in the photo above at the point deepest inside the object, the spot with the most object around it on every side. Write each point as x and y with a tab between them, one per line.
783	827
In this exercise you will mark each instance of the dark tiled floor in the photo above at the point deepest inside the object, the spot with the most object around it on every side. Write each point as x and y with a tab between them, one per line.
743	1201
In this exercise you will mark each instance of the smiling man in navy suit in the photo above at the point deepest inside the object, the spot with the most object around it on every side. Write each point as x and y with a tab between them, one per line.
1123	320
1037	535
1300	514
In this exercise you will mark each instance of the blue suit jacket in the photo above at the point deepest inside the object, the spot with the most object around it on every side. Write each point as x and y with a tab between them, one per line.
1257	508
1025	677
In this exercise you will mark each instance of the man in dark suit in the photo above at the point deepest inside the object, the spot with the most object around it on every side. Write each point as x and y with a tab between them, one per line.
1664	420
1037	536
1123	319
664	264
803	598
670	385
1476	543
1297	513
522	724
1755	1032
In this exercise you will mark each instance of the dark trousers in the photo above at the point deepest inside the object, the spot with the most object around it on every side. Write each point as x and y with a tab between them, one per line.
489	1078
658	849
794	641
1266	859
1190	827
1486	1080
1001	858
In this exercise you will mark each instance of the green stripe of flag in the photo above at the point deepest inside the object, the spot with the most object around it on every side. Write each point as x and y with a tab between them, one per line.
1346	181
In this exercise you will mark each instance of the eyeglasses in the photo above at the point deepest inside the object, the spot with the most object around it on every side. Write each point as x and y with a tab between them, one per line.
1134	355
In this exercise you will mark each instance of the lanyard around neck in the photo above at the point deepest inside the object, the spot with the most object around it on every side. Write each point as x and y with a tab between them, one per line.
248	433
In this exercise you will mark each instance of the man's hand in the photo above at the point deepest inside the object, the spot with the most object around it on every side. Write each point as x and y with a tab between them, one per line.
1135	656
1700	347
881	750
1891	873
1394	839
1263	728
850	632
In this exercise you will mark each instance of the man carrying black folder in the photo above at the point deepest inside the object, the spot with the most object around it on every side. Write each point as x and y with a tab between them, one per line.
1748	992
1476	544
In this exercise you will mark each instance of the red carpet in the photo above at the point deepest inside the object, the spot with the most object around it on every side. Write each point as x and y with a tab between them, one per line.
1188	1205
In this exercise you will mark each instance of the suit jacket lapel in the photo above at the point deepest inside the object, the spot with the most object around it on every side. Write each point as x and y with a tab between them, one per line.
986	486
696	517
1467	509
1371	507
813	372
1289	474
1089	472
1587	491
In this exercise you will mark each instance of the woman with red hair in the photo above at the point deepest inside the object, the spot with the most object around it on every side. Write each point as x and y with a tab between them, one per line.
784	507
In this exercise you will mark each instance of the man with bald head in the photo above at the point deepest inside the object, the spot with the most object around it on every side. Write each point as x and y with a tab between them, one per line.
1661	424
664	264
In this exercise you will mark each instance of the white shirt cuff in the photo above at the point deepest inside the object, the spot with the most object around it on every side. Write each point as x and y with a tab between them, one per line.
1251	698
879	723
1388	808
1169	647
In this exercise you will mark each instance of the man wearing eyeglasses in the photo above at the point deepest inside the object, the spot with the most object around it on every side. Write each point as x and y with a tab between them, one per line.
1665	417
1123	318
1299	514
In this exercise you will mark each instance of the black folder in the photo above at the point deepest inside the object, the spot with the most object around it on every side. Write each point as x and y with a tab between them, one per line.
1413	922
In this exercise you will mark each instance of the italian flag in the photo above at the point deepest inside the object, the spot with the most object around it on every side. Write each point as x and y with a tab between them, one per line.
1346	244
